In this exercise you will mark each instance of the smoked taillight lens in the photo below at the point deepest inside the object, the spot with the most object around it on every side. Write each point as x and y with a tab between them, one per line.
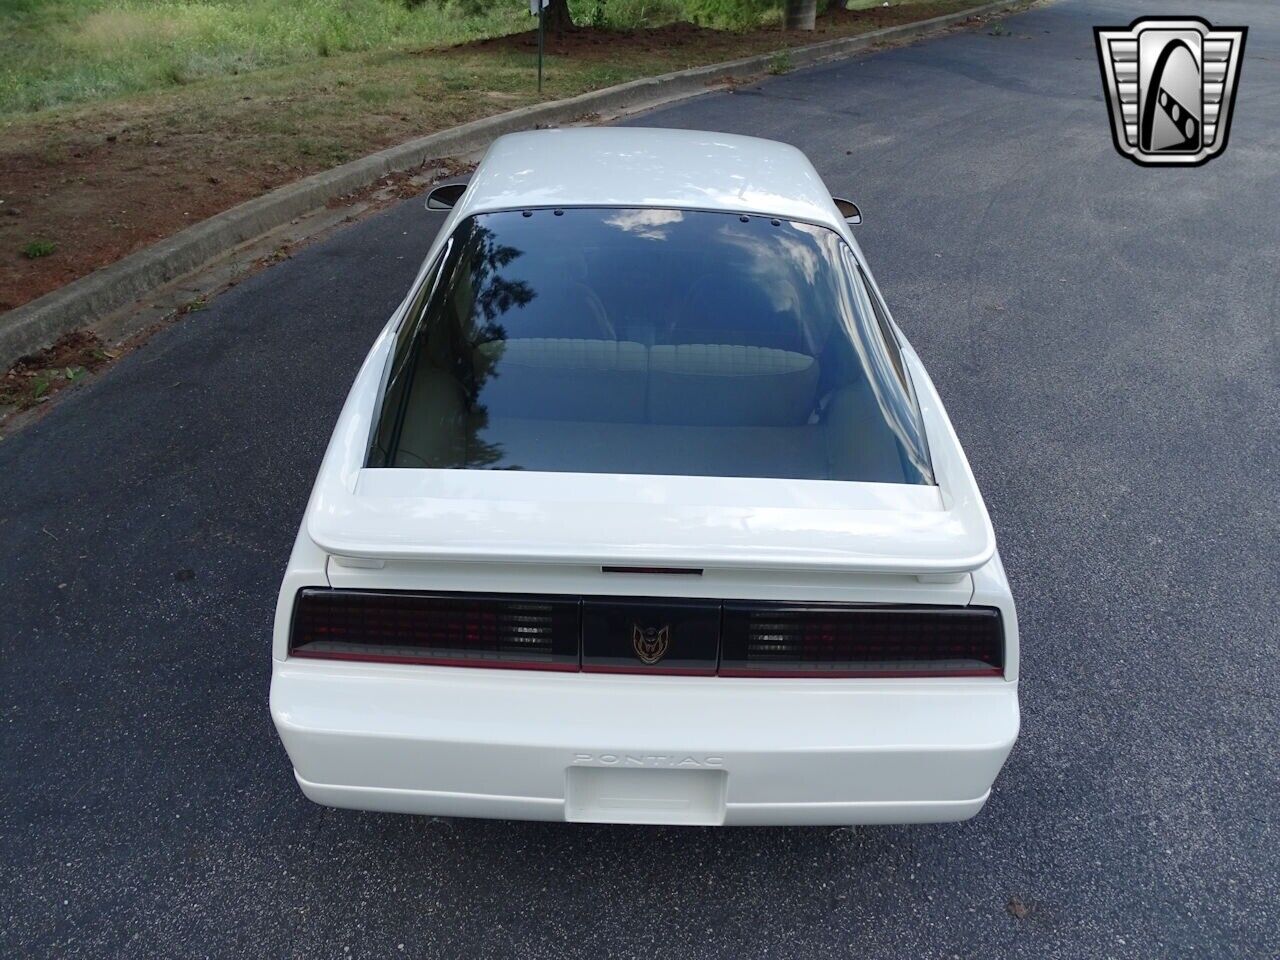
474	630
800	640
647	635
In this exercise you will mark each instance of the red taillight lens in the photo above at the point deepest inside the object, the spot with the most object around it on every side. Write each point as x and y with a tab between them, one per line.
796	640
453	630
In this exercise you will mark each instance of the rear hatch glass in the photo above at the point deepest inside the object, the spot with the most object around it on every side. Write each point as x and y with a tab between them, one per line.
649	341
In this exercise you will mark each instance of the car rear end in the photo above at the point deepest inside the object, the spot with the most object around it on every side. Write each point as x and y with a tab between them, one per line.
646	514
874	699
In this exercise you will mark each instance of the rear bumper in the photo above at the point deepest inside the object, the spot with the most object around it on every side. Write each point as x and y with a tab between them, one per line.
535	746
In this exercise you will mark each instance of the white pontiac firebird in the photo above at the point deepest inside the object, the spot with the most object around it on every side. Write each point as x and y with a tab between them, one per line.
643	510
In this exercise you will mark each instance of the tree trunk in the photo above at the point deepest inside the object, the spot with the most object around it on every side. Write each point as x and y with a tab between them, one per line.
800	14
558	18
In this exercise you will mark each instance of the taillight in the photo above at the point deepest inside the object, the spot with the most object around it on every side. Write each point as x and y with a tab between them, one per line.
648	635
476	630
800	640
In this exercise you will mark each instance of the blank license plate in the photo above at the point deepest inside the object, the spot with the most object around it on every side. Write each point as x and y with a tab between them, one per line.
607	795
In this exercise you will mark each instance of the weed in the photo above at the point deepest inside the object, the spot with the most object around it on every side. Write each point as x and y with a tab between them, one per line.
39	248
780	63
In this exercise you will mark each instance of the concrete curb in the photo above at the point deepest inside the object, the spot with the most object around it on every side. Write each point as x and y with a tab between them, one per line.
81	302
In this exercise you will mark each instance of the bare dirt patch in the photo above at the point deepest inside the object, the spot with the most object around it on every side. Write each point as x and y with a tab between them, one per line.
100	196
34	379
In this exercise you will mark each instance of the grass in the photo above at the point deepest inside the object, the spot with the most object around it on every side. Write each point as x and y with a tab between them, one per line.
72	51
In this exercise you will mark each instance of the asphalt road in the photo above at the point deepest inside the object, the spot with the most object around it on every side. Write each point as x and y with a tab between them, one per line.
1105	339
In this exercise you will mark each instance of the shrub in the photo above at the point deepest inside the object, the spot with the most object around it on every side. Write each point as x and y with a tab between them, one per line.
39	248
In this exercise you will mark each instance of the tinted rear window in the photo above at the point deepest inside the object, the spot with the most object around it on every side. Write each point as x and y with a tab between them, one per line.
648	342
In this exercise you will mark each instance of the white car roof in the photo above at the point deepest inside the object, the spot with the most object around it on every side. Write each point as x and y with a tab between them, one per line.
649	167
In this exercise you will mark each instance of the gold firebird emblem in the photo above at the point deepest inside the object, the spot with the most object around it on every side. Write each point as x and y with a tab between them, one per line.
650	643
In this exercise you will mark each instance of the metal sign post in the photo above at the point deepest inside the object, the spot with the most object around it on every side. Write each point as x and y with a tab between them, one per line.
540	8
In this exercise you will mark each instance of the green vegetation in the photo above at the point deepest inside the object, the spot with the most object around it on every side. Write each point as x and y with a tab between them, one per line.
780	63
66	51
72	51
38	248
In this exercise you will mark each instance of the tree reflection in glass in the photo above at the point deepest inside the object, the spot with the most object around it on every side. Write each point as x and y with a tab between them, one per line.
649	341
